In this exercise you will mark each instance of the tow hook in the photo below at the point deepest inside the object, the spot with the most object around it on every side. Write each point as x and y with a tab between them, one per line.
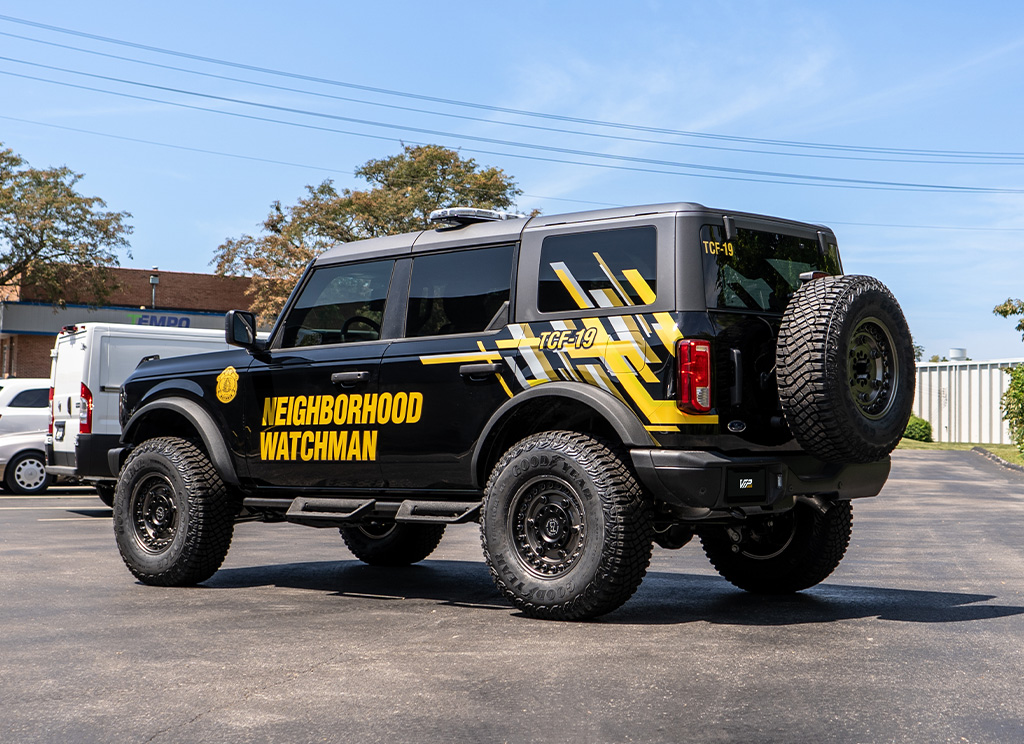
736	535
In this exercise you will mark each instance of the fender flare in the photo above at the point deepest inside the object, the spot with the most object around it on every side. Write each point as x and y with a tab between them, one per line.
201	421
629	428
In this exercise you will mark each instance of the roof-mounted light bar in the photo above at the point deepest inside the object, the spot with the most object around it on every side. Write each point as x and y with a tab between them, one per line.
469	215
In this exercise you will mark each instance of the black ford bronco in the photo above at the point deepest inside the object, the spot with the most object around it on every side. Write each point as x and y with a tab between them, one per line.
582	385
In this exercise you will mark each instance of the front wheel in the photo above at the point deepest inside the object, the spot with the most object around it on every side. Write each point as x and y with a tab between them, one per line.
782	553
173	515
565	531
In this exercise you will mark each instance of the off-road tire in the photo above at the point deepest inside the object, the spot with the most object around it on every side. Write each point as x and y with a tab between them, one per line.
391	543
845	367
565	531
173	515
782	553
25	475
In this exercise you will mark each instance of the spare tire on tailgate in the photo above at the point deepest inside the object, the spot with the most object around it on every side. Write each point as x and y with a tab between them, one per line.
845	366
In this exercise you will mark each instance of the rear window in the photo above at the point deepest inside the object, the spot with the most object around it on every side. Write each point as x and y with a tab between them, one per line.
759	271
37	398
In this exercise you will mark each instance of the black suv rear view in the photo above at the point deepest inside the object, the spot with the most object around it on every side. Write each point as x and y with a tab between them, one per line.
582	385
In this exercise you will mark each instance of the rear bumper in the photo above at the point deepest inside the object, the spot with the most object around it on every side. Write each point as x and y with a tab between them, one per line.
88	460
700	483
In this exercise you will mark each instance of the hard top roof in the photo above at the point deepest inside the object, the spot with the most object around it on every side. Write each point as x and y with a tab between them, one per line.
508	230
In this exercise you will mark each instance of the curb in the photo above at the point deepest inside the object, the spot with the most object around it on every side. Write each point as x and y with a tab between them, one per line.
997	459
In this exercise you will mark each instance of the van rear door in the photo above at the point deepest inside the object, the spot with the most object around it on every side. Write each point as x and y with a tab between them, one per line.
66	379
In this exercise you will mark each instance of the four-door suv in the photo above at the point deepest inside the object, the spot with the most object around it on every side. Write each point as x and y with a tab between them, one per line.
582	385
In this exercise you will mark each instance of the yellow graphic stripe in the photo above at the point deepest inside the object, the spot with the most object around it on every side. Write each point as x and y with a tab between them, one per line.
615	282
640	285
656	411
668	331
571	285
472	356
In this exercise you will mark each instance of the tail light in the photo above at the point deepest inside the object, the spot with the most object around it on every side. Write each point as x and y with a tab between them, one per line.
49	429
694	358
85	411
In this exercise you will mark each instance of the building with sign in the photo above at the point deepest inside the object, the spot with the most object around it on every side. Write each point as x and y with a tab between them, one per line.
29	325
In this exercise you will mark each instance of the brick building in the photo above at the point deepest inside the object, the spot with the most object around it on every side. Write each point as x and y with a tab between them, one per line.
29	325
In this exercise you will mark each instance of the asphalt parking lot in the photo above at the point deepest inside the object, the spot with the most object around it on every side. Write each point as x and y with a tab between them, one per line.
916	638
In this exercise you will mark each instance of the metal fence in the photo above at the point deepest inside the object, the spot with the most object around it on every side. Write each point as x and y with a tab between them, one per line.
961	400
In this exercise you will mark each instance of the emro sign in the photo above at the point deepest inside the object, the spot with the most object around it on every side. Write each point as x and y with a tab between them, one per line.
167	321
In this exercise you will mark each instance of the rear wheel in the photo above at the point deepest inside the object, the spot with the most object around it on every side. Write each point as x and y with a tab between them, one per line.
565	531
173	515
25	474
391	543
782	553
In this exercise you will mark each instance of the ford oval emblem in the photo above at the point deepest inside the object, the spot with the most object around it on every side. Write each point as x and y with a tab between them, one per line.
737	427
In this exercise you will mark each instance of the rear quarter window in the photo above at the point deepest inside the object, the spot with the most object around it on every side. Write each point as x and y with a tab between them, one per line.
602	269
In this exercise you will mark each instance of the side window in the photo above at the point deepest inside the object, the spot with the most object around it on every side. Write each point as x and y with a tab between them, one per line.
612	268
459	292
340	304
38	398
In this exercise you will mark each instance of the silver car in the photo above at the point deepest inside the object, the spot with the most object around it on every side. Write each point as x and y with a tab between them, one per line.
22	462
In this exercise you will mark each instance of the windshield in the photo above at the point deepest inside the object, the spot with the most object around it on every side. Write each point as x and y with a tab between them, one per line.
759	271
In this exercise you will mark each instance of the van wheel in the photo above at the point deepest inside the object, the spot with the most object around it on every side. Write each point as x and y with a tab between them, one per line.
391	543
173	515
782	553
845	364
26	474
566	533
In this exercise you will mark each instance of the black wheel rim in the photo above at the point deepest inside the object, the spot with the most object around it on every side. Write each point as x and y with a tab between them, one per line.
872	368
29	474
770	538
154	513
547	526
376	530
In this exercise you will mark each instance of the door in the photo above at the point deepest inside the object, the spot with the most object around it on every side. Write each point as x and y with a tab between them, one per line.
311	420
446	371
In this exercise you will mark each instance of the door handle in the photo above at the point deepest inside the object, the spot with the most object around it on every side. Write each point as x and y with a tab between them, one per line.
480	370
349	379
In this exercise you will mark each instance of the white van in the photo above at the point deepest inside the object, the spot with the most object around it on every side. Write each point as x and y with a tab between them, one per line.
90	361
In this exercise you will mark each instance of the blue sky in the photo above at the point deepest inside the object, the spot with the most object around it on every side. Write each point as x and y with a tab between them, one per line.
871	80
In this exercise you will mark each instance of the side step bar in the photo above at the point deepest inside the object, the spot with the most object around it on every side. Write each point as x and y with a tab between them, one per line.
314	512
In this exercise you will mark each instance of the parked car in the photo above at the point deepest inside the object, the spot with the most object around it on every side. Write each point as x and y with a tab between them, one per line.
24	404
584	385
22	465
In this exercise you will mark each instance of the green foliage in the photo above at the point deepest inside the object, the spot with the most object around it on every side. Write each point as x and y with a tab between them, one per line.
404	189
1011	307
918	429
918	352
1013	405
53	240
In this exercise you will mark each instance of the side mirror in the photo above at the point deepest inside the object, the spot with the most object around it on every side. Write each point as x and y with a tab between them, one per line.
240	328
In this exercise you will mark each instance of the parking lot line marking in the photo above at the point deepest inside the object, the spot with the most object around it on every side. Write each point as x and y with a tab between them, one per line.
14	498
55	508
73	519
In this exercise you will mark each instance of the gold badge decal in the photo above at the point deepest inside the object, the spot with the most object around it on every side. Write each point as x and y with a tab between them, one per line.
227	385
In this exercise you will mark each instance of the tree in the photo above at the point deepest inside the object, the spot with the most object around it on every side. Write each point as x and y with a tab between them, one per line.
54	240
918	352
1012	307
404	189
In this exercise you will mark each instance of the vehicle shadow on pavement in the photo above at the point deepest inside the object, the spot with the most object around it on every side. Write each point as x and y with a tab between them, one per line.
663	599
668	598
457	583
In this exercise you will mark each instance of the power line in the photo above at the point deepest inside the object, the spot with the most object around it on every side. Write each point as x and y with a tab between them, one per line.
518	112
1007	160
736	173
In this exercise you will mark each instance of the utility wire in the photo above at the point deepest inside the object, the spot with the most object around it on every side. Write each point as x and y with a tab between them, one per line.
737	173
506	110
988	160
